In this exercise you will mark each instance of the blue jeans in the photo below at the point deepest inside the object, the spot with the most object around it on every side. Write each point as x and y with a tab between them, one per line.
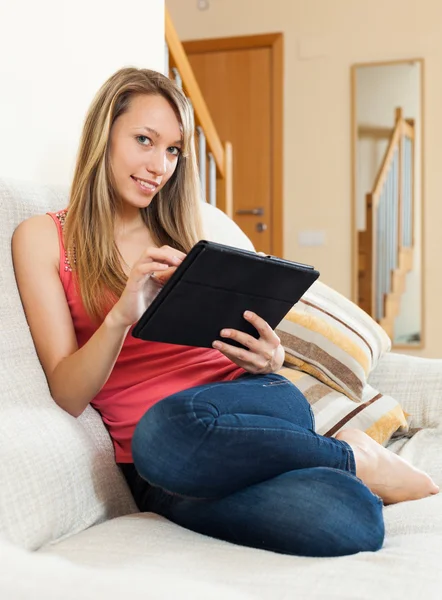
240	461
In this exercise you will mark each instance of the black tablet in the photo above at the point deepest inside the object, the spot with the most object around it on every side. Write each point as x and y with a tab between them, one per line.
212	288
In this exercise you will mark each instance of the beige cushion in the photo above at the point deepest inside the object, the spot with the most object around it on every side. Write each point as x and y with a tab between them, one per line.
378	415
331	347
329	337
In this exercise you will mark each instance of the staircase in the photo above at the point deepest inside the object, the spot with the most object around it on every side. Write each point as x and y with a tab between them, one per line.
386	245
214	156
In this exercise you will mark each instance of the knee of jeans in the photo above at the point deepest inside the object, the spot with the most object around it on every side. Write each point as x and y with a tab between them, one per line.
166	436
352	517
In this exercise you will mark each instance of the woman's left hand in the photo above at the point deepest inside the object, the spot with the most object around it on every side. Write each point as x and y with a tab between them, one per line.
263	355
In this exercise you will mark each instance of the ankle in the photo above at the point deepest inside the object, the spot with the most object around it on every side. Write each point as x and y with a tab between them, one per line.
365	458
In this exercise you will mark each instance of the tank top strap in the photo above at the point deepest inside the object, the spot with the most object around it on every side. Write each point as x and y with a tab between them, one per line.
65	265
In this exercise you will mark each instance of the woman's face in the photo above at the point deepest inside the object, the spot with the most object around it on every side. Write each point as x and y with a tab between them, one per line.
145	144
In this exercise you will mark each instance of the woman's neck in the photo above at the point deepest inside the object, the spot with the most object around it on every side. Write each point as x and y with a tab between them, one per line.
128	221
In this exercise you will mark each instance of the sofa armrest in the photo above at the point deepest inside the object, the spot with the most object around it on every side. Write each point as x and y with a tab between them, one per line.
414	382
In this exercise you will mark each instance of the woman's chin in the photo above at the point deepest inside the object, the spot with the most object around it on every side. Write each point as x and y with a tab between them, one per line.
137	200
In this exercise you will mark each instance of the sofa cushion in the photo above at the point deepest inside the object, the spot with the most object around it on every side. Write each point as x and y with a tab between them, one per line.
25	575
416	383
377	414
407	567
218	227
331	338
57	473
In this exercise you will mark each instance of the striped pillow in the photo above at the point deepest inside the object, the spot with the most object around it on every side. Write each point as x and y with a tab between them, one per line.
332	339
379	416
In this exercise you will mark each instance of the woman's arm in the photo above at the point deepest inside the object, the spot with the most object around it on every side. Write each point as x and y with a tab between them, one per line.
74	375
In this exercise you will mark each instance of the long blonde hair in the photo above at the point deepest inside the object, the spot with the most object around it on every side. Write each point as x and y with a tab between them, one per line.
173	217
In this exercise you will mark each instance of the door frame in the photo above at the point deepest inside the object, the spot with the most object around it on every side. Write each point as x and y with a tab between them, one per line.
274	41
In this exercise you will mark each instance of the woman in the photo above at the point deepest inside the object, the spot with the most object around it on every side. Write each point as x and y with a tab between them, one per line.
213	439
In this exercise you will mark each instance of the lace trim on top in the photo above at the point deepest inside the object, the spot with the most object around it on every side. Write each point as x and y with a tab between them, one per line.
61	216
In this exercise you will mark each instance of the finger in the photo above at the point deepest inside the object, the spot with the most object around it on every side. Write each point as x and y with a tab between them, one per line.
262	352
250	361
168	255
243	338
140	271
233	352
164	276
262	327
181	255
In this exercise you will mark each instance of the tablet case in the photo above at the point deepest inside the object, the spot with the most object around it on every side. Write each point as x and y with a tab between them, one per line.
213	287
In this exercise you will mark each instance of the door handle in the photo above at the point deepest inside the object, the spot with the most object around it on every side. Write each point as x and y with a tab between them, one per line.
251	211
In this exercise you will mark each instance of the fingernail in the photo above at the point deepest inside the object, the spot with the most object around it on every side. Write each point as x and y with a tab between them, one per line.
248	314
225	332
177	260
216	344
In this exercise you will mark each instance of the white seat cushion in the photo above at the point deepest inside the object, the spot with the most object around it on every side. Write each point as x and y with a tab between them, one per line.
407	567
25	575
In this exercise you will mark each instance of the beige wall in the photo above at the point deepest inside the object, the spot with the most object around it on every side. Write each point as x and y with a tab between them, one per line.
322	39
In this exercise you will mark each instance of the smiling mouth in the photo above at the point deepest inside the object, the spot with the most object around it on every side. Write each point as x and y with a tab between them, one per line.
147	185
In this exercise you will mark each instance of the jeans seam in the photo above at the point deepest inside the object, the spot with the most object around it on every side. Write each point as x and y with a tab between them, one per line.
174	494
312	415
208	386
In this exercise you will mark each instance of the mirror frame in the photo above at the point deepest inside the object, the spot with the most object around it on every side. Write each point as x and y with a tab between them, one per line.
354	233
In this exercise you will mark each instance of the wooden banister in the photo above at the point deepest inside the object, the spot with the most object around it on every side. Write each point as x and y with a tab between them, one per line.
178	59
383	172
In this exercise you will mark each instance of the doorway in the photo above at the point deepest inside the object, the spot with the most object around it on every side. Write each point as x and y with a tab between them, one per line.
241	79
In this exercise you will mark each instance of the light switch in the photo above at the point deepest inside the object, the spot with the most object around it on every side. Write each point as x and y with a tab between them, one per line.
311	238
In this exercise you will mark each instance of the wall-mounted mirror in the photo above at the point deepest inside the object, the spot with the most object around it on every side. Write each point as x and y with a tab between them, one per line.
387	196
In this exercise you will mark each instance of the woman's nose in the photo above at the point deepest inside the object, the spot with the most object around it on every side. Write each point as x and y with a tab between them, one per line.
157	163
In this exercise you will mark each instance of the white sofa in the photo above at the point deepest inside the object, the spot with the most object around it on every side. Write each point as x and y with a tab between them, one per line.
69	527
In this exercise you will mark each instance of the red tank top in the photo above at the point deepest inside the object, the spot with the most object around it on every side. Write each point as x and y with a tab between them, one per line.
145	372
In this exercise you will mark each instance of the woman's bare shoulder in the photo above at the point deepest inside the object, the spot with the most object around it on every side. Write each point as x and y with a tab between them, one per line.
37	224
37	234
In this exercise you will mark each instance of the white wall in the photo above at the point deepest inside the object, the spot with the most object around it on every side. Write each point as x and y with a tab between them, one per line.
54	55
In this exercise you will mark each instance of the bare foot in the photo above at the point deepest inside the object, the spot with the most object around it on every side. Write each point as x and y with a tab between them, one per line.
386	474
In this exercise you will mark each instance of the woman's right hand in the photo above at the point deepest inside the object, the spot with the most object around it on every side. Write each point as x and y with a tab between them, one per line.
136	297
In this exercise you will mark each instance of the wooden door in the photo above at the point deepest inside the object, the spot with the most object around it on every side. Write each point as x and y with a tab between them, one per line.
237	77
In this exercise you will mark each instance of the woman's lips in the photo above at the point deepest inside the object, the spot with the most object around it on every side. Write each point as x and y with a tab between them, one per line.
145	186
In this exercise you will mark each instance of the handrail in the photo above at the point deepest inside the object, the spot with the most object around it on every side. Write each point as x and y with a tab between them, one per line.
402	127
179	60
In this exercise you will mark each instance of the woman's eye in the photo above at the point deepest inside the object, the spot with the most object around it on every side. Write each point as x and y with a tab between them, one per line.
174	150
144	140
